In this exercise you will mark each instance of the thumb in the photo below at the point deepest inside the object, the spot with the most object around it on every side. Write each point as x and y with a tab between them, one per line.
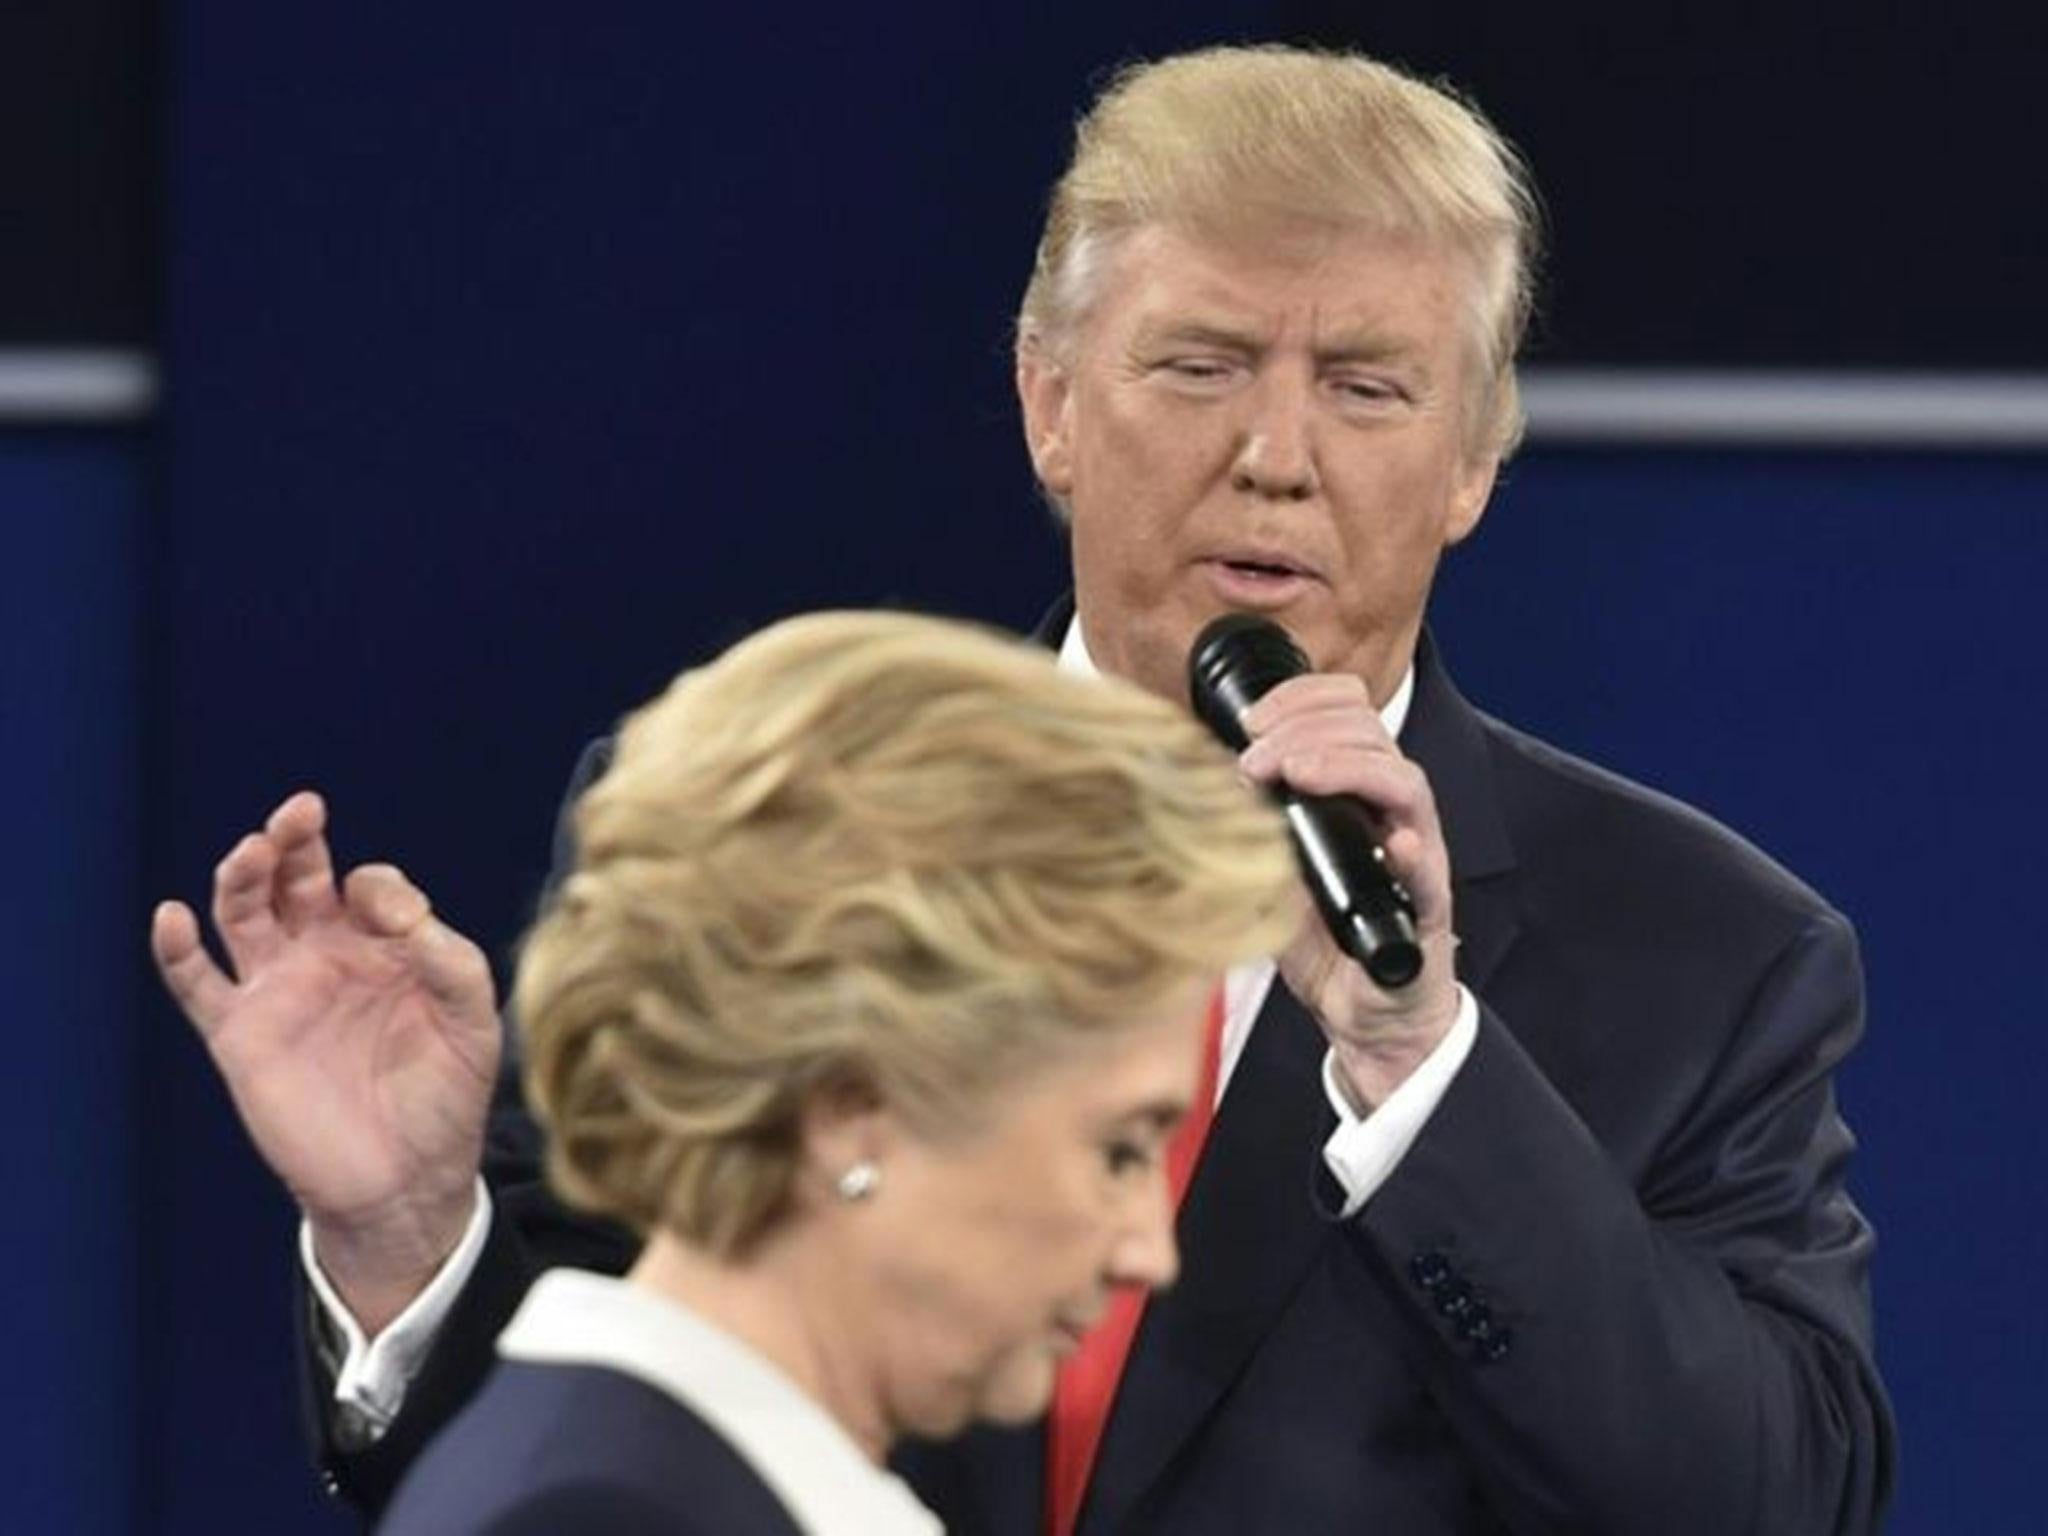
449	966
452	968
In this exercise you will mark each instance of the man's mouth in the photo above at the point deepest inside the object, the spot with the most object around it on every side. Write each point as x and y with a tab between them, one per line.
1263	568
1257	580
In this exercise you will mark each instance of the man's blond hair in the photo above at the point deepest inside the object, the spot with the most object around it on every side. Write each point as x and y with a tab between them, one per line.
875	851
1236	139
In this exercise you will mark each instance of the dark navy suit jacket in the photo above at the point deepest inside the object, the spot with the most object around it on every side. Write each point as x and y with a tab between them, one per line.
1615	1286
576	1450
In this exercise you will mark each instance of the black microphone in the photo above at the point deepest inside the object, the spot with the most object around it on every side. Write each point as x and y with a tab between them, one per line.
1234	661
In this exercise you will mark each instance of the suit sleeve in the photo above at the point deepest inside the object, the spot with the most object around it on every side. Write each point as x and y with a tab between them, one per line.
590	1509
1679	1342
530	1232
587	1507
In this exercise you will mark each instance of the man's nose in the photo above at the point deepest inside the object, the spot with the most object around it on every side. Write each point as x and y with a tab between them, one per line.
1277	456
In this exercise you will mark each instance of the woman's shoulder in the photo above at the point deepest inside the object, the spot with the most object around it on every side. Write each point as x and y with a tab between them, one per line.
547	1447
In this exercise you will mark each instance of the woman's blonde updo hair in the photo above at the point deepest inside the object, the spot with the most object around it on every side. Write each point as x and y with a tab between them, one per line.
877	851
1233	139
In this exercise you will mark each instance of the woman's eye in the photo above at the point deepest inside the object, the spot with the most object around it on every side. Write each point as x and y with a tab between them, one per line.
1124	1157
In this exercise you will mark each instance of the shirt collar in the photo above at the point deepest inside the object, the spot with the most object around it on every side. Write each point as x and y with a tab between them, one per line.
571	1317
1074	657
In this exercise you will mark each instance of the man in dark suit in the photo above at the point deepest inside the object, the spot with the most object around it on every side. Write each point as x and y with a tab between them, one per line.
1555	1238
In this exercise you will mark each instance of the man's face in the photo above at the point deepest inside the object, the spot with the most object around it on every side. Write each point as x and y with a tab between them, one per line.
1271	423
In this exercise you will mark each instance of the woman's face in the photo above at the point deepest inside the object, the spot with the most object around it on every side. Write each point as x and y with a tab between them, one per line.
990	1253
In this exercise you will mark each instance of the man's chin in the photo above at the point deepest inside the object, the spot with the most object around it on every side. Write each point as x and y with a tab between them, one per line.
1155	655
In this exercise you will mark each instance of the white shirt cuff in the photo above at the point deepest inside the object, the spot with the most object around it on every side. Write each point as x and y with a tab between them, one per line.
1364	1150
370	1386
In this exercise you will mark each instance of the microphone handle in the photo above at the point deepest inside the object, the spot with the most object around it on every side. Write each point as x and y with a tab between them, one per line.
1366	910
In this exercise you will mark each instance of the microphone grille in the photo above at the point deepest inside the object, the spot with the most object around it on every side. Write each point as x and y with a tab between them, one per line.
1233	662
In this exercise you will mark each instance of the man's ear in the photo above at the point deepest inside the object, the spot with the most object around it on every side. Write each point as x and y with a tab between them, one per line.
1044	391
1469	496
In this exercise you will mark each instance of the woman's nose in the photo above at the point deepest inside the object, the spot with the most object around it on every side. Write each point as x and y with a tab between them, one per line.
1145	1253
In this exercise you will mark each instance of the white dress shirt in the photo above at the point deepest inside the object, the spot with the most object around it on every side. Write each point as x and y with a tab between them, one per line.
1360	1153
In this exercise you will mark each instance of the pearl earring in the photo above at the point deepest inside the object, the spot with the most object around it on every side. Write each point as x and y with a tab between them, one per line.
859	1182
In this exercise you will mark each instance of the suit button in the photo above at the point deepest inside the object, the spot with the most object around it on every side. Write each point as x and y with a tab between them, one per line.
1476	1324
1429	1269
1454	1300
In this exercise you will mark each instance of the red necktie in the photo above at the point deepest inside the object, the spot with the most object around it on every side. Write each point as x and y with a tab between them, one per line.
1086	1386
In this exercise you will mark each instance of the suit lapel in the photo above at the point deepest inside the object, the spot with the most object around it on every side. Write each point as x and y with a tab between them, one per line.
1447	738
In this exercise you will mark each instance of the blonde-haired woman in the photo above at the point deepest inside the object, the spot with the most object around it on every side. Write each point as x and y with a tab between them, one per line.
871	1002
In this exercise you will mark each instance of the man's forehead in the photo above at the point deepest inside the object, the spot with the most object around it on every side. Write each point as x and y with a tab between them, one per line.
1359	289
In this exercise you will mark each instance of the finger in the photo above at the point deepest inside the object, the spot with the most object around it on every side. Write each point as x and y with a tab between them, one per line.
383	901
1427	877
1325	730
449	966
1395	788
242	910
1310	692
453	969
305	876
1402	803
199	987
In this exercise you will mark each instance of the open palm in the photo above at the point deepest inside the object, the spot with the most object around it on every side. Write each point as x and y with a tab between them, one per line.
357	1034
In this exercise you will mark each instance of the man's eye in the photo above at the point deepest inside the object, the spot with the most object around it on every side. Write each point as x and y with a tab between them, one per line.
1368	391
1198	370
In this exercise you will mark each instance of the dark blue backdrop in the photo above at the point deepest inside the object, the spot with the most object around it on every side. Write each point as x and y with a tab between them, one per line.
70	591
516	359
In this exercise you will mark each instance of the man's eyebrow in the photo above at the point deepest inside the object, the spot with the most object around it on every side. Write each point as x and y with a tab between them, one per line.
1361	345
1201	332
1365	346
